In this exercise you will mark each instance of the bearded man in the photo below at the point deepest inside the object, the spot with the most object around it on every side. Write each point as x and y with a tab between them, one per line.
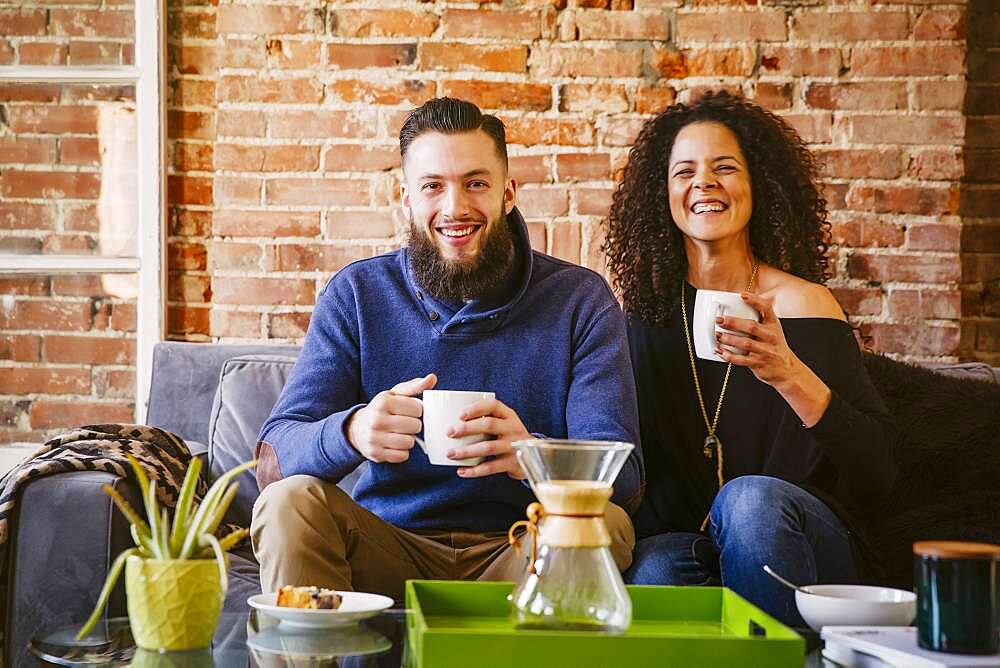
466	305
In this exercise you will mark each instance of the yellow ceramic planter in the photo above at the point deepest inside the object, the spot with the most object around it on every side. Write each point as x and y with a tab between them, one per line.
172	604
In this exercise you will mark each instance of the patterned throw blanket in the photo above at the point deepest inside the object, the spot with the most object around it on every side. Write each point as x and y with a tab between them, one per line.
101	447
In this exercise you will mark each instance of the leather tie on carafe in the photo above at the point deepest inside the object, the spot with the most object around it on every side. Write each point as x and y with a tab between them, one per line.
570	531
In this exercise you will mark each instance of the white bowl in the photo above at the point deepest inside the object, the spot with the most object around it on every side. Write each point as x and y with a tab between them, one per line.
855	605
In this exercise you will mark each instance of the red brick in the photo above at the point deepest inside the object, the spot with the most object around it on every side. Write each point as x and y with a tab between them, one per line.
463	57
189	190
543	203
51	185
823	26
265	224
940	24
91	23
297	257
619	131
192	23
188	288
527	169
81	218
907	61
25	348
638	25
904	268
654	99
938	95
123	317
814	128
762	25
6	52
90	94
53	120
320	124
857	95
190	124
914	339
114	384
43	53
593	201
95	53
186	223
17	216
603	98
79	151
89	350
383	23
482	23
22	22
243	53
859	301
360	158
226	255
193	93
537	236
293	54
287	325
47	316
264	20
13	92
317	191
69	243
253	89
21	380
237	190
800	61
920	304
281	158
906	129
263	291
566	242
26	150
934	236
79	285
936	164
882	163
922	200
359	225
773	96
583	166
722	62
197	59
532	131
183	320
501	95
189	156
846	232
51	414
361	56
877	233
185	255
411	92
234	324
234	123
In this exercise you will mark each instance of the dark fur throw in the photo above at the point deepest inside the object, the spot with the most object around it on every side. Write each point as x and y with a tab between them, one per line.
948	452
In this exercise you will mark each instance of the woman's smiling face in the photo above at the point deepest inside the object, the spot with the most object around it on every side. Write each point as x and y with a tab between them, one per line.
709	183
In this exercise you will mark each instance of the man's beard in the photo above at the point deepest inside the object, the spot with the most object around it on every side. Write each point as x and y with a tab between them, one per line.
453	281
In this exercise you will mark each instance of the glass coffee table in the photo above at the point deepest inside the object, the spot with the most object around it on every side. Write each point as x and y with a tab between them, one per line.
241	640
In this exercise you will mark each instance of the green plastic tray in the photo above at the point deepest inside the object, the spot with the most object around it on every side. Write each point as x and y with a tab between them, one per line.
467	624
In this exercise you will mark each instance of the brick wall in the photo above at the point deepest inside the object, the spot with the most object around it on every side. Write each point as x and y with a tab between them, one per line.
285	117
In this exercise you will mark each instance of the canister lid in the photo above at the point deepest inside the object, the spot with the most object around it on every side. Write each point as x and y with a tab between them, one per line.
953	549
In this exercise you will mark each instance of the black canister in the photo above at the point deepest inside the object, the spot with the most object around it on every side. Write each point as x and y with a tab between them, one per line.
958	596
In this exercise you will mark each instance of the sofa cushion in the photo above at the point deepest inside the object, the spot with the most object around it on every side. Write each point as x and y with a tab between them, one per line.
249	386
948	452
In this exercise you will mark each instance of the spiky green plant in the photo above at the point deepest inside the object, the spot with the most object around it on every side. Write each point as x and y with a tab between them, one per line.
192	534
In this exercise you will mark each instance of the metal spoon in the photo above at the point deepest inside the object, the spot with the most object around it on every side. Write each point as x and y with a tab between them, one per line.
770	571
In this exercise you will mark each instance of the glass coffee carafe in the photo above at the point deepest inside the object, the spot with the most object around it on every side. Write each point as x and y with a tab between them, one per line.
572	581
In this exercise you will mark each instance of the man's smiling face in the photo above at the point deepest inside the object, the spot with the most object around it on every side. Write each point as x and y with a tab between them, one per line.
457	191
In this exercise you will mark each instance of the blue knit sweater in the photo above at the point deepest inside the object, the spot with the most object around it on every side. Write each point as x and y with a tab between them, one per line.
554	349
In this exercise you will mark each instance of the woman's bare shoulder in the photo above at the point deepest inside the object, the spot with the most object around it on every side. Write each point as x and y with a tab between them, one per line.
796	297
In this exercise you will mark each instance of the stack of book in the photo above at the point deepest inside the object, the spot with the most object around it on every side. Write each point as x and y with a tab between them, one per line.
879	646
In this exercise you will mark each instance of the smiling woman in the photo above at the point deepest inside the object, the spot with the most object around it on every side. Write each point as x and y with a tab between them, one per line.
719	197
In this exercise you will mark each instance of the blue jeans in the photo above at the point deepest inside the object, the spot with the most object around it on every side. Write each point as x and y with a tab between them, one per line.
754	520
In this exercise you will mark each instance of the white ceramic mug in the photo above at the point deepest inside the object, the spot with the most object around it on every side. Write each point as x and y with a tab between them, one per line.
708	305
441	411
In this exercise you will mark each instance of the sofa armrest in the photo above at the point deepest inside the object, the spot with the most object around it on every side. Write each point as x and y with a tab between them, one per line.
65	535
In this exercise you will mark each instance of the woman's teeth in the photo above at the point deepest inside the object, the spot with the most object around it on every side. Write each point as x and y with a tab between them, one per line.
705	208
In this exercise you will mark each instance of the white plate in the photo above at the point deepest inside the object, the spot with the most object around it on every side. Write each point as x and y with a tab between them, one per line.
354	607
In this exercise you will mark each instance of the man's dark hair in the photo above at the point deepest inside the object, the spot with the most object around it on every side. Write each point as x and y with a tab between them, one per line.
448	115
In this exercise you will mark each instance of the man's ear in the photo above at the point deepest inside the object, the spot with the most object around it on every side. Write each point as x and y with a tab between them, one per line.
509	196
404	195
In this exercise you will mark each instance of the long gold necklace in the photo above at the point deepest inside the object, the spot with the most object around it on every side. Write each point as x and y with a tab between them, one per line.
712	441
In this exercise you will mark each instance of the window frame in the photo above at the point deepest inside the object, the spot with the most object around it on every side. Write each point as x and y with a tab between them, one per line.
148	76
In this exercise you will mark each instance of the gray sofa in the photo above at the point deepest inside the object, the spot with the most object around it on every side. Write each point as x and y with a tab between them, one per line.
66	533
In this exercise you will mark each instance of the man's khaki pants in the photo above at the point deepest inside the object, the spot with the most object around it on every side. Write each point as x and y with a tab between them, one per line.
307	531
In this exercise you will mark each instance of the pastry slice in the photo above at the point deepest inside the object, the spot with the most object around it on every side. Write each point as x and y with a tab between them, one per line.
315	598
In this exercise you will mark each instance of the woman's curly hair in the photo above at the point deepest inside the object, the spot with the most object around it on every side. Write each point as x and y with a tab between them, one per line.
788	225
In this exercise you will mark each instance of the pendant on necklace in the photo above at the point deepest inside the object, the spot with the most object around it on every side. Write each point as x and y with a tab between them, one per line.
711	442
